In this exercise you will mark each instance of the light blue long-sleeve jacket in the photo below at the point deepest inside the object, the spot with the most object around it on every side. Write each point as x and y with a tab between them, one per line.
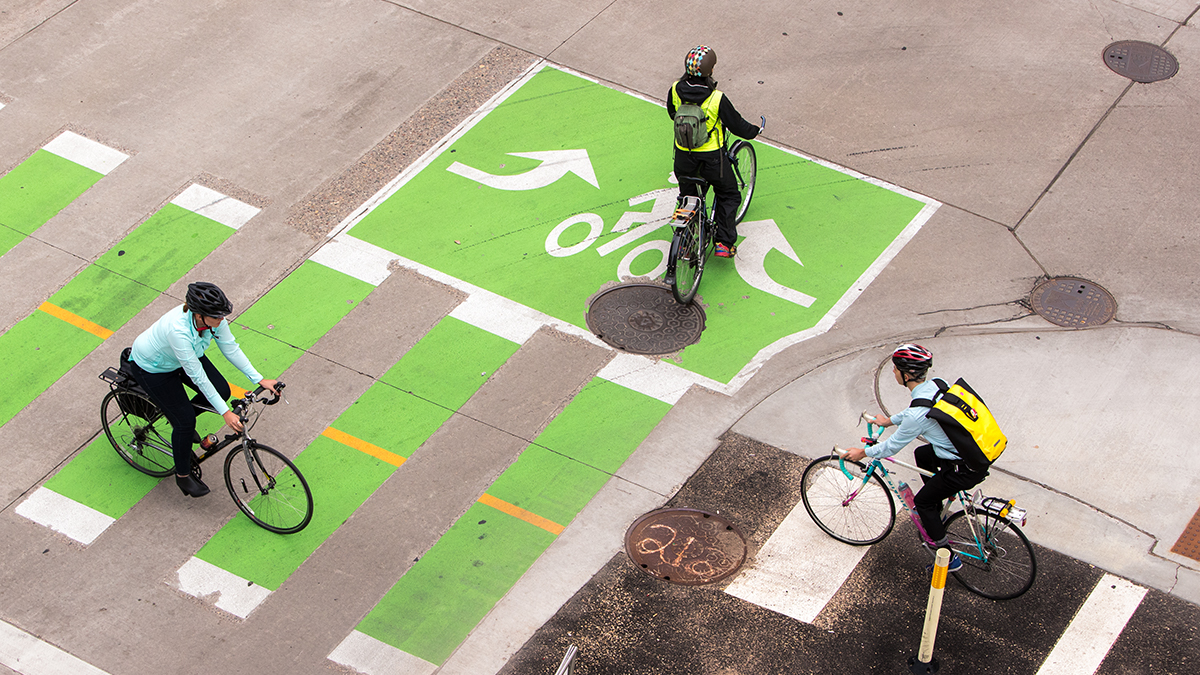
173	342
912	422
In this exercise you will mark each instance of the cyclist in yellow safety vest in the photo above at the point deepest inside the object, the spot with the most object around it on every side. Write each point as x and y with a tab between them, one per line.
709	160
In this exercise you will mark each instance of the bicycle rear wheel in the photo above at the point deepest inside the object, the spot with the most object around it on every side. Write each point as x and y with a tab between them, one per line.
138	432
998	561
686	259
850	510
268	488
745	168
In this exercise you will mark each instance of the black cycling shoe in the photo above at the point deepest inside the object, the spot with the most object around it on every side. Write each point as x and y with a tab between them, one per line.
191	486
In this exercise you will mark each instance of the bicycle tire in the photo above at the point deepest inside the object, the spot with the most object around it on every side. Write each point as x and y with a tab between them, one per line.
686	260
1001	565
826	491
132	424
745	168
268	488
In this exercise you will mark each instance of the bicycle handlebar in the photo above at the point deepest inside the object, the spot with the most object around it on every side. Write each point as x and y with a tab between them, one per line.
278	390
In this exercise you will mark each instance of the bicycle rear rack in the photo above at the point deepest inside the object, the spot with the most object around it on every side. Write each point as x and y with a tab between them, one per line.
1003	508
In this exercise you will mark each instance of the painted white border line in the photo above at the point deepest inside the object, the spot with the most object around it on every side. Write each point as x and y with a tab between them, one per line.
30	656
509	319
670	393
1086	641
215	206
368	655
64	515
86	152
798	570
235	595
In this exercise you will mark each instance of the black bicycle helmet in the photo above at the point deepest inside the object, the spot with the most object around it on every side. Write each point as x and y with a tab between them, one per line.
206	299
912	359
700	61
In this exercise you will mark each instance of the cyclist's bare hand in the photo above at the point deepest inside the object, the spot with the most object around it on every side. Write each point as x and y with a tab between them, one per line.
855	454
232	419
882	421
270	384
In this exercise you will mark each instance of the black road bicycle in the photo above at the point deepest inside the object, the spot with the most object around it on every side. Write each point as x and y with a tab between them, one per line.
694	228
264	484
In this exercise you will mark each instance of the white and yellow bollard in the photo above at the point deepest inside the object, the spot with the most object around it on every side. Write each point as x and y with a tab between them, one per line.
924	662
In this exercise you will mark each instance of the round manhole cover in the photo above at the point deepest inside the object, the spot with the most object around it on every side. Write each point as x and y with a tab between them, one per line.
1140	61
644	319
1072	302
685	546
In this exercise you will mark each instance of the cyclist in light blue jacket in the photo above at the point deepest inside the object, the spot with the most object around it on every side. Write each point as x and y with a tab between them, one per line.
170	355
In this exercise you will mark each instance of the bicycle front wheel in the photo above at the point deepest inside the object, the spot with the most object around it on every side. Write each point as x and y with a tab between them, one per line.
268	488
997	559
850	509
686	258
138	432
745	168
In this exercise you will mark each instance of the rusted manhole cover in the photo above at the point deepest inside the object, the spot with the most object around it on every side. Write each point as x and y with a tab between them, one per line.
1072	302
1140	61
685	546
644	319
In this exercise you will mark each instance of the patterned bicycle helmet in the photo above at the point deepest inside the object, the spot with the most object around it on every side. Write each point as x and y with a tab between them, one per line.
912	359
700	61
206	299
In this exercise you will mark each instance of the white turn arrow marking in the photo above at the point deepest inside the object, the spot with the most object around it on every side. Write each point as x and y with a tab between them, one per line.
751	258
555	164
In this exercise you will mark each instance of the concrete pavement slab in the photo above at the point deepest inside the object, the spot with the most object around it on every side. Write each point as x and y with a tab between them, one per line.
387	323
17	18
30	272
1121	214
275	100
539	28
977	106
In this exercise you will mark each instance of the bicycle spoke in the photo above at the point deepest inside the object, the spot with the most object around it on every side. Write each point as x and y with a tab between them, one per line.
998	561
854	510
268	488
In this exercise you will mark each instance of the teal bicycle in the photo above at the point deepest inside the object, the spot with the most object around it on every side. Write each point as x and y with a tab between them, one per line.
855	503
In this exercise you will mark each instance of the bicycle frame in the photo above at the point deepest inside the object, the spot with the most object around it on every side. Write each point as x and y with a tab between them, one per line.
1008	512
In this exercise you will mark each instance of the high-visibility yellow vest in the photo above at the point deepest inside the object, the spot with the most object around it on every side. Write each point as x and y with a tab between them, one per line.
711	107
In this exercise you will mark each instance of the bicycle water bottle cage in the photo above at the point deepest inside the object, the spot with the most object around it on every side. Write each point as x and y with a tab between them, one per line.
688	208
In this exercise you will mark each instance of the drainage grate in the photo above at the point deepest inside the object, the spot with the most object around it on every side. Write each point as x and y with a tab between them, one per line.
644	319
1072	302
1140	61
685	546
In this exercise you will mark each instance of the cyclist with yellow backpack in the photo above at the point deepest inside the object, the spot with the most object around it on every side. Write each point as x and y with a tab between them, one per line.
703	115
953	468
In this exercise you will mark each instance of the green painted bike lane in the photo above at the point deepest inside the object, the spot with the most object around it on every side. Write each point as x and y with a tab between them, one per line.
444	596
496	210
352	458
42	347
52	177
97	487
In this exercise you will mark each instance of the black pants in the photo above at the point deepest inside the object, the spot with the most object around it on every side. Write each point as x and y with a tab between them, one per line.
167	392
713	166
950	477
